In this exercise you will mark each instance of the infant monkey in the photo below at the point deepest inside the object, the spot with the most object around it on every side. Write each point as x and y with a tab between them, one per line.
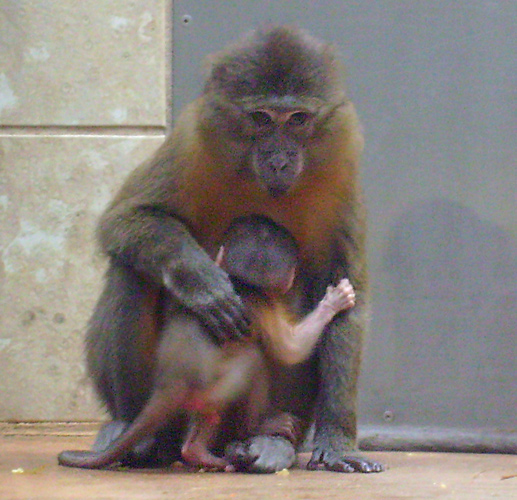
195	375
262	257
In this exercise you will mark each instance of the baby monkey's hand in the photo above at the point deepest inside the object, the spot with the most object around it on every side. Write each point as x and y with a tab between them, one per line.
339	298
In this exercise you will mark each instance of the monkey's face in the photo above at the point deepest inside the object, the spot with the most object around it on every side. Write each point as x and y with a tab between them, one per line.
277	153
266	101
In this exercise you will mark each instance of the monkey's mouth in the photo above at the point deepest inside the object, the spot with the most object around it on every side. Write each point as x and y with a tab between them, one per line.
278	184
277	191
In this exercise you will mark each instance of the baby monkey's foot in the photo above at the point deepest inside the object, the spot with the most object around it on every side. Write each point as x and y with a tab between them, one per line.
341	297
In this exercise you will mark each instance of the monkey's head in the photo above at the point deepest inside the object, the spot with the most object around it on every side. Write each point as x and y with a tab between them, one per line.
258	252
267	100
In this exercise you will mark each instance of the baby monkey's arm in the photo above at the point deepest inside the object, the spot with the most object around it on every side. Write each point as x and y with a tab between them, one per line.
292	344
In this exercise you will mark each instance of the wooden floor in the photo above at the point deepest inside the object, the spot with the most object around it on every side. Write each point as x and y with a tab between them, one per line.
29	471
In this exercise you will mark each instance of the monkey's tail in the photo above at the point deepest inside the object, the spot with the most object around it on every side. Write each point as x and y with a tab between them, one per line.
153	416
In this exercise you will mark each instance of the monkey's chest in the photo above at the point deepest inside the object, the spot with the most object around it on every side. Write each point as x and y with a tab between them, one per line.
306	216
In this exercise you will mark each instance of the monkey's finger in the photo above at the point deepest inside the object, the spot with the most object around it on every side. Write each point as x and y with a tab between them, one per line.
316	460
218	330
346	287
239	318
357	464
349	304
322	459
233	318
235	328
75	458
223	327
330	460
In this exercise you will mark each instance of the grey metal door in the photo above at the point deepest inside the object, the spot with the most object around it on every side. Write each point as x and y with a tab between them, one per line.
435	85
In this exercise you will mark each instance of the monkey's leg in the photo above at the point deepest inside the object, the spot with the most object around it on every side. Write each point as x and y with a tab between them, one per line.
118	363
195	450
237	374
292	392
258	399
336	426
120	344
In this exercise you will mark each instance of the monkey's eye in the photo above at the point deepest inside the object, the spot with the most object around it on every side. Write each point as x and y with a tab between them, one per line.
261	118
299	119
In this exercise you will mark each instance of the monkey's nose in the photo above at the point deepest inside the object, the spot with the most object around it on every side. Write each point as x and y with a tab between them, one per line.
278	163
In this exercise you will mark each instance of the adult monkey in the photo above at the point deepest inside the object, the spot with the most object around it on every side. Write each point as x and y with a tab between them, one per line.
274	134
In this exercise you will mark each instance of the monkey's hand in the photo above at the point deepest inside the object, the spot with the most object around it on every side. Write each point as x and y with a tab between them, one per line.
206	290
339	298
325	456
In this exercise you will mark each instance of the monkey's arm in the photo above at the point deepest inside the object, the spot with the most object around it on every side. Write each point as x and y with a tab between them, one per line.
335	446
339	352
292	344
153	242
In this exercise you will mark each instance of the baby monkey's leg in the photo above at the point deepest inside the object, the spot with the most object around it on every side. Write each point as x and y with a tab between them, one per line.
242	374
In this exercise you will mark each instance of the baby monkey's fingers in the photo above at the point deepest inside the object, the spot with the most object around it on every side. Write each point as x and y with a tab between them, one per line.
347	292
347	289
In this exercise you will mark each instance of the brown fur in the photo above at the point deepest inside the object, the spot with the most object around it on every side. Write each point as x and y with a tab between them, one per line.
169	217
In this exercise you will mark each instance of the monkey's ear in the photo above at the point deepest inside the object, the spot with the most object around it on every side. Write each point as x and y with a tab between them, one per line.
290	280
220	257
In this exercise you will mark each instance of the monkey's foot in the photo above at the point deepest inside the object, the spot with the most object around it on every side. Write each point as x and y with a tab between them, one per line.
261	454
330	460
283	425
198	456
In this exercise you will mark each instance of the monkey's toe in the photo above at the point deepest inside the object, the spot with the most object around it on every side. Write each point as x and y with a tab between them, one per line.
338	463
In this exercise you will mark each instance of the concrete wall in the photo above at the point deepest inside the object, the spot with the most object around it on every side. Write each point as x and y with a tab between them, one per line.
84	97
